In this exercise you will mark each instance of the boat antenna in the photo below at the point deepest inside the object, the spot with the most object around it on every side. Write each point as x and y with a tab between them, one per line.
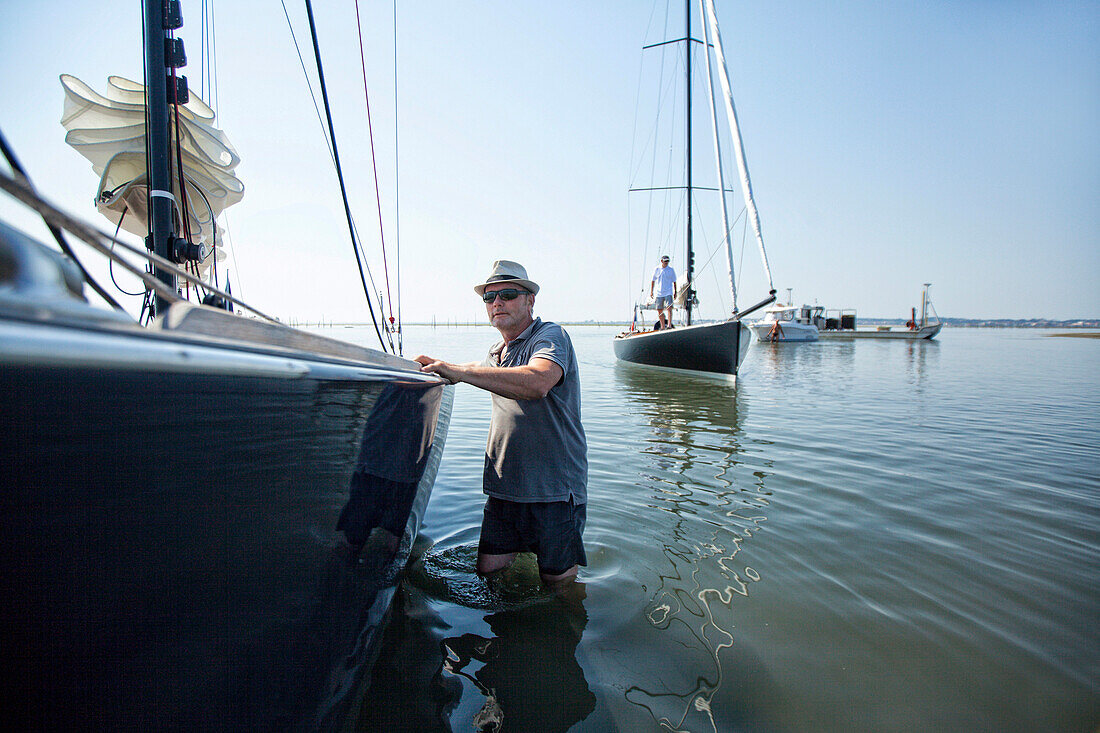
339	169
924	305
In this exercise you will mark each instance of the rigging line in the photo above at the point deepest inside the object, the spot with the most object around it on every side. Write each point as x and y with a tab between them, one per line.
202	48
680	188
204	51
184	208
735	132
712	250
324	131
669	216
397	186
358	243
339	171
309	84
718	155
111	261
211	63
58	235
633	148
88	234
646	241
209	67
661	96
664	214
215	97
638	100
744	238
374	165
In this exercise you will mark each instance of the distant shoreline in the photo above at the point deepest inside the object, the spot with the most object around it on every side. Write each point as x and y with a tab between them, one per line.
1077	325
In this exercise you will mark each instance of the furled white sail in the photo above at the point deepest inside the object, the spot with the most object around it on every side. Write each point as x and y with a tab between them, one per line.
718	163
110	132
735	133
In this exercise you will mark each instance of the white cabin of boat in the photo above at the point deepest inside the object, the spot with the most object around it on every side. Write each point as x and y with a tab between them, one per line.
788	322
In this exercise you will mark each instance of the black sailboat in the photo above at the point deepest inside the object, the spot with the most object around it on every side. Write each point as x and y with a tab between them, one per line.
204	519
716	347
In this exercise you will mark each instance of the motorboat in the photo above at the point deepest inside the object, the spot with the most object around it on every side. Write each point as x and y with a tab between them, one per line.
787	323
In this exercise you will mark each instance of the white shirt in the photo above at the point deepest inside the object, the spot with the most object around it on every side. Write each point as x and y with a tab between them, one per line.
665	278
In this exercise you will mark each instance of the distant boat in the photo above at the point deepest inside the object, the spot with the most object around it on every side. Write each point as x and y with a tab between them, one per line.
172	494
842	325
719	347
782	323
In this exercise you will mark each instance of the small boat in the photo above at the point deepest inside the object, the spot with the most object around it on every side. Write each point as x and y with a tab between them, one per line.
718	347
787	323
204	518
841	324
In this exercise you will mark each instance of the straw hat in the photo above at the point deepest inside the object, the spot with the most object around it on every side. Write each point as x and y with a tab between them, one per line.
506	271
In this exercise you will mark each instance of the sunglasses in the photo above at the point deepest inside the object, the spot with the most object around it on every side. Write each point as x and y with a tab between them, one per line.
506	294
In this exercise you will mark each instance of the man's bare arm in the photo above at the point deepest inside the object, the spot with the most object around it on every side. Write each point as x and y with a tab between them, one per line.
532	381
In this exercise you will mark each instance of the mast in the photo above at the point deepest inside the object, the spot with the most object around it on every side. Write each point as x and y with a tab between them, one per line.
689	271
161	16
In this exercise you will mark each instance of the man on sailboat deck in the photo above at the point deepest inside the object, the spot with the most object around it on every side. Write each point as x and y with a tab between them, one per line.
664	277
536	462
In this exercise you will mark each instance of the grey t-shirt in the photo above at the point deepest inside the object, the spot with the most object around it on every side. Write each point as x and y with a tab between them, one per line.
536	449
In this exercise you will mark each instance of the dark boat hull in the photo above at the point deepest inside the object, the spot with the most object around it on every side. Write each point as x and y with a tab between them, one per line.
715	348
170	505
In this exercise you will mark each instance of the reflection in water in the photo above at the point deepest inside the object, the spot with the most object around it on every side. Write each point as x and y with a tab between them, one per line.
527	671
920	357
794	359
693	455
522	676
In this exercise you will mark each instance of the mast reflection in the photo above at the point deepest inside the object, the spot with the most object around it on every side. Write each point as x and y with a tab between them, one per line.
696	474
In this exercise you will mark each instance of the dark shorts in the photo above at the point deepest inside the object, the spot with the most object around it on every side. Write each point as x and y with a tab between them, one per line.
552	530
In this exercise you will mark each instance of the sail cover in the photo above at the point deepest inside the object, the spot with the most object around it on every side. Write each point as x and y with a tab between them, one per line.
109	130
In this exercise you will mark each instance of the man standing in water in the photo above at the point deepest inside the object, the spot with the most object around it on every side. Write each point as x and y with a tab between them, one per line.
536	463
664	277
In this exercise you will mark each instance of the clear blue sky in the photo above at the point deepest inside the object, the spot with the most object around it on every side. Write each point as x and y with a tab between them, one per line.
890	144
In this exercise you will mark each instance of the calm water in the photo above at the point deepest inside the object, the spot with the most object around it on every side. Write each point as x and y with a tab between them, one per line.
857	536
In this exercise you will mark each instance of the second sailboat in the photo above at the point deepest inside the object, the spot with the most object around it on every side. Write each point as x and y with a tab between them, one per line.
716	347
